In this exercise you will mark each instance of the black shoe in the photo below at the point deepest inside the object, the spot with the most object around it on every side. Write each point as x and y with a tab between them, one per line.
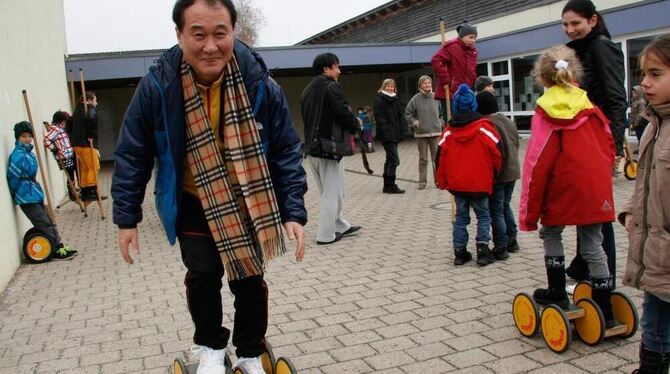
653	362
578	270
461	256
394	189
545	296
349	231
500	253
512	246
484	255
338	236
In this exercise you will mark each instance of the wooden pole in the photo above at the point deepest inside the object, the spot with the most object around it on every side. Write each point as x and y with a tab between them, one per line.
447	94
50	210
90	144
73	97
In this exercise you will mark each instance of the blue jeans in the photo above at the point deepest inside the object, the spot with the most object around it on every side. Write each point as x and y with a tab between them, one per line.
481	208
655	324
502	219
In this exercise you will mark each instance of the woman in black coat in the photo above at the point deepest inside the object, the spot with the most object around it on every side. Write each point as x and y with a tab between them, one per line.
603	80
390	130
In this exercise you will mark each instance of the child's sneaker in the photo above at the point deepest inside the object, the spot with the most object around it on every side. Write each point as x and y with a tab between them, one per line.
251	365
461	256
484	255
64	253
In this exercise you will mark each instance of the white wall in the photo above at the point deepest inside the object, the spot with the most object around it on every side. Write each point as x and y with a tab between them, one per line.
32	36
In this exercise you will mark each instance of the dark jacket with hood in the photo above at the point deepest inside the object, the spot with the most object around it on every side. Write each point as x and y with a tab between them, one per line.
389	118
325	114
603	79
154	129
80	128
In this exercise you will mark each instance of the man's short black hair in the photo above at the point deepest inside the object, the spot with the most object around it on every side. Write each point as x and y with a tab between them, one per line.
324	60
181	5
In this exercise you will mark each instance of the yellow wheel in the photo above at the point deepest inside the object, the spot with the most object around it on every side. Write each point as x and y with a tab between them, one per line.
37	247
526	314
556	328
624	311
582	290
178	366
268	358
630	170
239	371
591	327
284	366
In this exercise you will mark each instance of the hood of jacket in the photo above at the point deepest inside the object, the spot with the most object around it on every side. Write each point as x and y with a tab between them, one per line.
562	105
465	126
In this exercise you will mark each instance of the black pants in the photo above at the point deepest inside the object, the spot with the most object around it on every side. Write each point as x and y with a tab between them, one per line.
392	159
203	290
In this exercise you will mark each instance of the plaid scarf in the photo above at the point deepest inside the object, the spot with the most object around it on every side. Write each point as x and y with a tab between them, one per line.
234	185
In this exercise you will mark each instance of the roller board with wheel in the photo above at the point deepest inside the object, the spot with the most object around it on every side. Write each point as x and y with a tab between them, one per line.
37	247
281	365
554	322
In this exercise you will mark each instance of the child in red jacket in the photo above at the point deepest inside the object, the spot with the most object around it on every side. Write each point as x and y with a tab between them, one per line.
467	160
566	177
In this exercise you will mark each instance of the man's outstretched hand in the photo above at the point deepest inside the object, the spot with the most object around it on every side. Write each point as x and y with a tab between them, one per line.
295	232
129	240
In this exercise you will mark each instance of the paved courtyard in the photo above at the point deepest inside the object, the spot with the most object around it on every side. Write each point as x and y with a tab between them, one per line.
387	300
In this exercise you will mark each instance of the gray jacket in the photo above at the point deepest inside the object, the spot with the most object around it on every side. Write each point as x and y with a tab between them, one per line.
510	170
422	113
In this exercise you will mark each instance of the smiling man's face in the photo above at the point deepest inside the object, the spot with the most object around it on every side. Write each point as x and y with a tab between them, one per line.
206	40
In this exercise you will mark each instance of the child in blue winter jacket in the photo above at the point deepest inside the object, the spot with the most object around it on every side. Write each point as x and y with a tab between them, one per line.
27	192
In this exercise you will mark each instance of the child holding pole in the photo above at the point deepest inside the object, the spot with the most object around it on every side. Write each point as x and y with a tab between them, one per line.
27	192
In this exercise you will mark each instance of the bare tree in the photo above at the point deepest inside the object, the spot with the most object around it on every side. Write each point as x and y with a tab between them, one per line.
250	20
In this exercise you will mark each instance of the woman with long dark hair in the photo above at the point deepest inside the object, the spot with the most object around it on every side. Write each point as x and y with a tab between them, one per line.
603	80
390	129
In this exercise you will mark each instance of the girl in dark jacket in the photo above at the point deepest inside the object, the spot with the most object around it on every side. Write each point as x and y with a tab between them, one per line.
390	130
603	80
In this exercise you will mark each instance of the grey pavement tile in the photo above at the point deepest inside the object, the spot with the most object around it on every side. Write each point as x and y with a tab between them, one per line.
387	300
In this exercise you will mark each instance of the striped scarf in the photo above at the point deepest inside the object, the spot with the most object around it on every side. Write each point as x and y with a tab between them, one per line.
234	185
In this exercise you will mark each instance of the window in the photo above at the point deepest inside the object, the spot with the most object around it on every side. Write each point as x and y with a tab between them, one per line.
502	95
482	69
635	47
526	92
500	68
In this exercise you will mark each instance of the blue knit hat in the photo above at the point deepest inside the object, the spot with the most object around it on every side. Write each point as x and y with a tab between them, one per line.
464	100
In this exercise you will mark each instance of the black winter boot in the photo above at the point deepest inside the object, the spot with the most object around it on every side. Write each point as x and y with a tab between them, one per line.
512	245
393	188
578	269
461	256
602	292
484	255
555	294
386	184
500	253
652	362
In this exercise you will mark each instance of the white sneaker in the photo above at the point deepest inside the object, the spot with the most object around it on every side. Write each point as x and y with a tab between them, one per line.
211	360
250	365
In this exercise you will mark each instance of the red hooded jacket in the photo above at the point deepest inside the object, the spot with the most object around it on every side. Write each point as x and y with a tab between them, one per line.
454	64
567	172
468	158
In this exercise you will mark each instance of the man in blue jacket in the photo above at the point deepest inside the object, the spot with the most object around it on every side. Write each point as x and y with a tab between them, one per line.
229	174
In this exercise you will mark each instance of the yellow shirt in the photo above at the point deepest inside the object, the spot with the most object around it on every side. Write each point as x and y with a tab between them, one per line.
211	98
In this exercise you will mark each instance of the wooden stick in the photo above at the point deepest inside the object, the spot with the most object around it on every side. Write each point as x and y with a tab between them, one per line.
50	210
447	98
73	97
90	144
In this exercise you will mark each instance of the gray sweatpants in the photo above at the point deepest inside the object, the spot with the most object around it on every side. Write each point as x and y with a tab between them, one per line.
37	214
590	246
329	177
